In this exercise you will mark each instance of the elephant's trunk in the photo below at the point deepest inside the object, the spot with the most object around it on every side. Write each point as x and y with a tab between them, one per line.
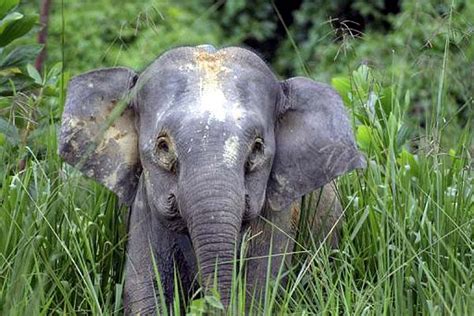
213	212
214	244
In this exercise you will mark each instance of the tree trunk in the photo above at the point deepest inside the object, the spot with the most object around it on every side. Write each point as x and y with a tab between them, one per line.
43	34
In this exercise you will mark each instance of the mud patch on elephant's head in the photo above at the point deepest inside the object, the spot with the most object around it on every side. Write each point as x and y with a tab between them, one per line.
211	69
210	63
231	151
214	100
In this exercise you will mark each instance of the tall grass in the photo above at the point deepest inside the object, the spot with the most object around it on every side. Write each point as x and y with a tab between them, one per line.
407	245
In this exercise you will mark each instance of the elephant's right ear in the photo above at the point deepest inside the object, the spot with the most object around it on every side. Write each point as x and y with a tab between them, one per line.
98	133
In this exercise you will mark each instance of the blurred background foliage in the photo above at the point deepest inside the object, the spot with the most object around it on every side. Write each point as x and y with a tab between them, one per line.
400	40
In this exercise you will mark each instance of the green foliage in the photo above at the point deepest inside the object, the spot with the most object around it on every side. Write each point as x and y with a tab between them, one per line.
6	6
243	20
407	81
15	70
131	34
14	25
413	50
319	41
375	110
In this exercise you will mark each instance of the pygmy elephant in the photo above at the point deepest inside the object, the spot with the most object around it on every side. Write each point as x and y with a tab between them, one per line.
205	145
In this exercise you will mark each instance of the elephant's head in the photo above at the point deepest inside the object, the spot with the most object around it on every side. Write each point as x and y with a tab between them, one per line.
215	138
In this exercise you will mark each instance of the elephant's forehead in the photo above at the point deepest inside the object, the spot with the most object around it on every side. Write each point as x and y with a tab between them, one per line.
220	86
214	98
214	104
211	66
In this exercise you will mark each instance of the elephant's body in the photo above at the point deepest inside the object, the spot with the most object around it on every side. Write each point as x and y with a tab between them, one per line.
204	145
174	250
325	216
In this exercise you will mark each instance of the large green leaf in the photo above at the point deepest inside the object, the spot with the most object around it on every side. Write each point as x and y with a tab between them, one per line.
16	29
10	18
5	72
34	74
6	6
17	82
10	132
366	138
20	56
343	87
214	301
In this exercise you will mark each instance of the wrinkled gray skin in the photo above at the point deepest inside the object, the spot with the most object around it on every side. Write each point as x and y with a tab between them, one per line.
210	144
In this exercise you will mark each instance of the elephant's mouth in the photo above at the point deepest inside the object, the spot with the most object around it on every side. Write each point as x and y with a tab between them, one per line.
172	215
249	214
171	210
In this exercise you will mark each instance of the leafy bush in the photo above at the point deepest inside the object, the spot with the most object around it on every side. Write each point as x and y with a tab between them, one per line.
28	101
102	34
13	61
414	49
319	39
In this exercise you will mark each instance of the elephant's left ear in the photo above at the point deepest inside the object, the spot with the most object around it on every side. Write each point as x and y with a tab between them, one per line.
314	141
98	133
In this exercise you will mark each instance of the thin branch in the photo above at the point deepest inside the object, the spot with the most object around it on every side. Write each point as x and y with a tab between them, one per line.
43	34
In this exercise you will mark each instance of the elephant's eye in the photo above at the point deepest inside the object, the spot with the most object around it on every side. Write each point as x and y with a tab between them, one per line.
165	153
258	146
163	144
255	156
